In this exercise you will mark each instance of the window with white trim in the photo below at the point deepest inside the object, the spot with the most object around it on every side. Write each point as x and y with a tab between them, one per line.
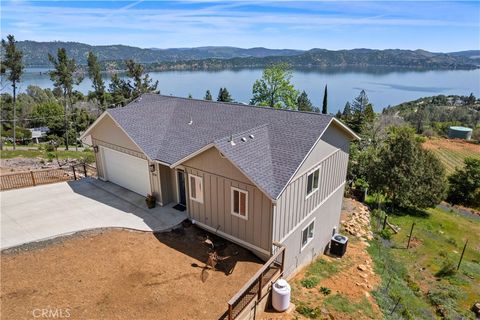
240	203
312	181
196	188
307	234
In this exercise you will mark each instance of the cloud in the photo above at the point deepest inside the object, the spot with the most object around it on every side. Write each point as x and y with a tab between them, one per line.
219	22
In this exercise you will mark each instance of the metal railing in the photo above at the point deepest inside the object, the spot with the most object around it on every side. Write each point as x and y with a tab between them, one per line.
46	176
255	287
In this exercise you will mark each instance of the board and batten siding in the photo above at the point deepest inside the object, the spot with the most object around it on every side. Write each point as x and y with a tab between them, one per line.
295	210
216	209
294	205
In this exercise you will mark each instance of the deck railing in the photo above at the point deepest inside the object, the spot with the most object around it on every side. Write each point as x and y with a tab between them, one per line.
45	176
255	287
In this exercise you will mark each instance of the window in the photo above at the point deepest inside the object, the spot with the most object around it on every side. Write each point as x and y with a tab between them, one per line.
240	203
312	181
196	188
307	234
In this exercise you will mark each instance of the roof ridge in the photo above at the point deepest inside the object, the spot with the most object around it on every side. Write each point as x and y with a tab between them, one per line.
237	104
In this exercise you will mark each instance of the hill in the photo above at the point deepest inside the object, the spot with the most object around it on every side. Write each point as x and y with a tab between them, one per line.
327	58
36	54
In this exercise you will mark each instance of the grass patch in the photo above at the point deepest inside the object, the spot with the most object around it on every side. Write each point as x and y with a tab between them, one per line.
322	269
310	282
425	275
341	303
86	155
309	312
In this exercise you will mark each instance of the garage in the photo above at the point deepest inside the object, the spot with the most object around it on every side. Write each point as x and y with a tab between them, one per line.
125	170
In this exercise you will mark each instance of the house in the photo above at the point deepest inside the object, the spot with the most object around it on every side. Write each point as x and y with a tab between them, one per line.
253	175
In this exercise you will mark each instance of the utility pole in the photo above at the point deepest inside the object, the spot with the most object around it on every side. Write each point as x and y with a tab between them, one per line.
14	85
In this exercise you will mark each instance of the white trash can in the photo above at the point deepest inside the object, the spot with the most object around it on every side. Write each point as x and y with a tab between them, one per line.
281	295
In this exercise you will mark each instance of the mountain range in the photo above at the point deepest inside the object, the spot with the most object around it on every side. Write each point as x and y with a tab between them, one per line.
212	57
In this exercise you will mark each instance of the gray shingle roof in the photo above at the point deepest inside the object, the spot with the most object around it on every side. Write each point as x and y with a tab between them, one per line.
159	125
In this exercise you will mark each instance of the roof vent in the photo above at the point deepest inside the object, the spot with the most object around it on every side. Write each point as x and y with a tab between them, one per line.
190	122
251	136
231	140
243	139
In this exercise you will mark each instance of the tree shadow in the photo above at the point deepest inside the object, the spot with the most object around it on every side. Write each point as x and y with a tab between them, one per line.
191	240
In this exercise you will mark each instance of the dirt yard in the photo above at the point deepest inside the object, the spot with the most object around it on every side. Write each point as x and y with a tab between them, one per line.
118	274
350	279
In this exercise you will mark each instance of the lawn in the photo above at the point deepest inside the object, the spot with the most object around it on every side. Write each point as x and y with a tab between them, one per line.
120	274
452	152
86	155
412	277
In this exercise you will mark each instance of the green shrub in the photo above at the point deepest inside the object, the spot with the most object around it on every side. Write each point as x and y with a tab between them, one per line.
341	303
386	234
325	291
308	312
87	158
49	147
309	282
50	156
448	269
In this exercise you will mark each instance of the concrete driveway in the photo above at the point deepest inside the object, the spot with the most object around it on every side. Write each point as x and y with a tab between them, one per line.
44	212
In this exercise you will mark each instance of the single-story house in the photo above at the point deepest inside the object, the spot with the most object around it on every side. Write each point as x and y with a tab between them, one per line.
253	175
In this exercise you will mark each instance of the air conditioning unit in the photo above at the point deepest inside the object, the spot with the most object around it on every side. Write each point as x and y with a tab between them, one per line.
338	245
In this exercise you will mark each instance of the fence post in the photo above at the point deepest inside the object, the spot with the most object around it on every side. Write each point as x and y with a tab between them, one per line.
74	174
385	221
461	257
85	170
283	260
230	311
410	236
33	178
260	285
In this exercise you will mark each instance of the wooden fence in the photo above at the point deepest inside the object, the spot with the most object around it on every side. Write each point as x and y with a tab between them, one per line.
259	285
45	176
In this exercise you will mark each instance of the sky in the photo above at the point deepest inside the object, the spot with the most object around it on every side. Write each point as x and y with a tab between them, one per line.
439	26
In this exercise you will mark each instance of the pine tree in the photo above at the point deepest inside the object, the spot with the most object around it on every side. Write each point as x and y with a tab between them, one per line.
324	107
97	82
63	79
208	95
304	103
224	95
12	63
359	105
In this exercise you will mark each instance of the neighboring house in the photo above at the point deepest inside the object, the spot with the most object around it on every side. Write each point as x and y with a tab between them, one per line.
254	175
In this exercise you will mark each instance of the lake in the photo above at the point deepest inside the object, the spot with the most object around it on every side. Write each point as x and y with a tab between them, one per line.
383	86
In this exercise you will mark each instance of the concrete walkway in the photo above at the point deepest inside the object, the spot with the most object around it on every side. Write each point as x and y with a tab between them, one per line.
44	212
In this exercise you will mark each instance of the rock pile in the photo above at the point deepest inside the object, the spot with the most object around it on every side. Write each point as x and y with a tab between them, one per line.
357	222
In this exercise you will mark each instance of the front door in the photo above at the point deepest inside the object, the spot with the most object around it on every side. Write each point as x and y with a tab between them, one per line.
182	197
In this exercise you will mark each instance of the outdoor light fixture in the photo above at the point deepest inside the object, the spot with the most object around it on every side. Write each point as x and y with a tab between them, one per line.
95	149
152	168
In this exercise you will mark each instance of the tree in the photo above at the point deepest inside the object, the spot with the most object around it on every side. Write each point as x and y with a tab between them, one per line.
63	77
274	88
190	96
120	91
358	107
97	82
464	184
409	175
471	99
12	65
304	103
208	95
142	83
224	95
324	106
347	110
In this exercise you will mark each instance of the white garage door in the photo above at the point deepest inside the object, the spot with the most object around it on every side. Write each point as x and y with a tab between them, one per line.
127	171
